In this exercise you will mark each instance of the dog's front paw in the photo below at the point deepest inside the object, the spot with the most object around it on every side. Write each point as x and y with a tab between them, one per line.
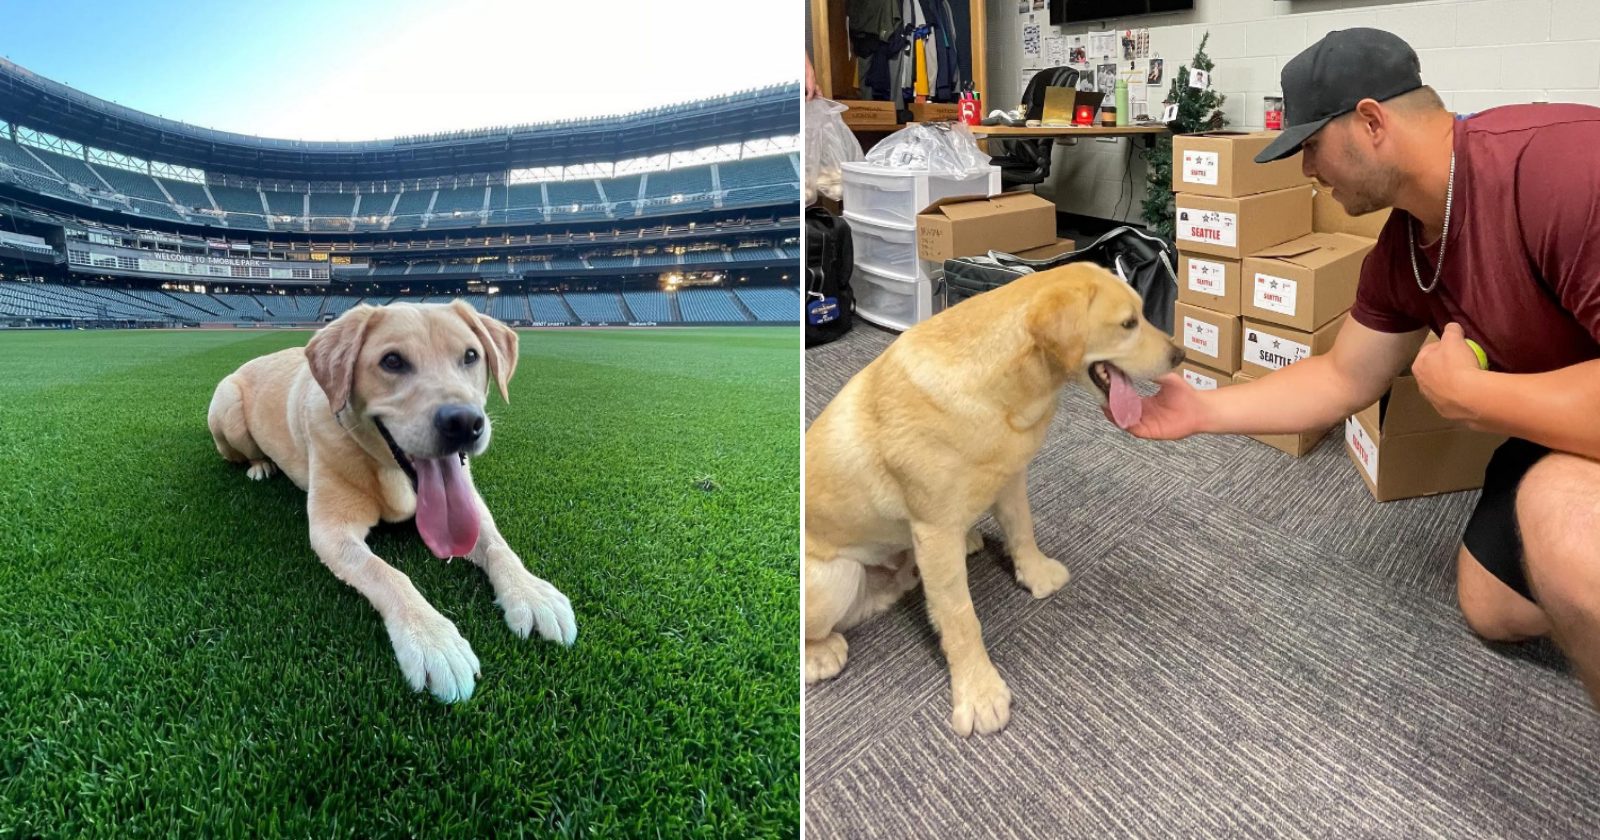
825	658
533	603
433	655
1042	575
982	703
260	470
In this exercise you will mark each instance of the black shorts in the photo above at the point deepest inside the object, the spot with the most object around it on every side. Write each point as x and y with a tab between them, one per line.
1492	535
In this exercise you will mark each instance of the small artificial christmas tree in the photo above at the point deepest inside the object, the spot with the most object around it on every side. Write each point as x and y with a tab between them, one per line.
1198	110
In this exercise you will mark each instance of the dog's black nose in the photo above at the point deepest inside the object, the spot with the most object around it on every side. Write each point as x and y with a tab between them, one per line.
459	425
1176	354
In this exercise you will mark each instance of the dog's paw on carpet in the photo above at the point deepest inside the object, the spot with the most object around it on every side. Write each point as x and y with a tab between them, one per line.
825	658
982	704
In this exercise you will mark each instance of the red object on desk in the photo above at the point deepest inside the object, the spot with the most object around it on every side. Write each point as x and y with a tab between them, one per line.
1084	115
971	111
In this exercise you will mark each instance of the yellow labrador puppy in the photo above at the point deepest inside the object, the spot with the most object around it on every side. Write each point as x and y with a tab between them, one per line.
376	419
937	431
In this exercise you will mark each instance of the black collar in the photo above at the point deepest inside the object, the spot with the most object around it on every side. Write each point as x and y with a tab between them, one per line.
399	454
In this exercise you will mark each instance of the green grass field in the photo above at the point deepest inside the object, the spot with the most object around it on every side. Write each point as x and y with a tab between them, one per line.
175	660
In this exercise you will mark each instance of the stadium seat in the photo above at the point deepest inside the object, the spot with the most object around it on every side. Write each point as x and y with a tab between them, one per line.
779	306
711	305
596	307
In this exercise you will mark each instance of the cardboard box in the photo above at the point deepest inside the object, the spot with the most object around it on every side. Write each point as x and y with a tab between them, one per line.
1048	252
1402	448
1303	283
1210	339
1328	216
864	113
1202	378
1264	348
1238	227
934	111
965	226
1222	164
1209	282
1293	445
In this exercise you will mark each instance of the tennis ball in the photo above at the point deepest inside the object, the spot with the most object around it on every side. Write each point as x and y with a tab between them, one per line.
1483	358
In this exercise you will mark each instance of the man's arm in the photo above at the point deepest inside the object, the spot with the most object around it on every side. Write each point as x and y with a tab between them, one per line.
1310	394
1559	409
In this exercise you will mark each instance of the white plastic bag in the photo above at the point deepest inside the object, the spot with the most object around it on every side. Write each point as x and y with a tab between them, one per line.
943	148
829	142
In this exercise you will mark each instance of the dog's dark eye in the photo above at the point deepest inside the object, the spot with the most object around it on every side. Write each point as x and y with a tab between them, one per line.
471	357
1130	324
393	363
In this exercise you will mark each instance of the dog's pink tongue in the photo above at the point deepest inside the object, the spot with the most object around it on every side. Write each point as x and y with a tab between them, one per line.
1126	405
447	509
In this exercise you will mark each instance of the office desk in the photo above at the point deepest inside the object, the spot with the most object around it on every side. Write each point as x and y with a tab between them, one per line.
1057	132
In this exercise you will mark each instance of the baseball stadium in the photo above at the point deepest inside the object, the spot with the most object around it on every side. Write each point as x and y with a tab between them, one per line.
175	660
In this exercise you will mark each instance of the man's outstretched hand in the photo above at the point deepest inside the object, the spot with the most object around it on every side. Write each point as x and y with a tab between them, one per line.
1174	412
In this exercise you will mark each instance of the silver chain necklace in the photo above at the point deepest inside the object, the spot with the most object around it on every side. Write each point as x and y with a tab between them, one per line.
1444	234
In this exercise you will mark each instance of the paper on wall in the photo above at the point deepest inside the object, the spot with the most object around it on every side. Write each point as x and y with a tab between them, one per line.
1056	50
1102	45
1030	41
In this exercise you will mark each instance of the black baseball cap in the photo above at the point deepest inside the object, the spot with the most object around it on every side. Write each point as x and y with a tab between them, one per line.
1331	76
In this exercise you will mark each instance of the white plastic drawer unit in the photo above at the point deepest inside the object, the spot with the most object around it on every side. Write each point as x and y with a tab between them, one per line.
891	302
883	249
894	197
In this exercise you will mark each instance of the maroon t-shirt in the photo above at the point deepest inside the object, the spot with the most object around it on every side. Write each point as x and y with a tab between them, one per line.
1522	272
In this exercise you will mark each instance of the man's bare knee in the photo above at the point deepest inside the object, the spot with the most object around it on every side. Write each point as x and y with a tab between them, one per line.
1493	610
1558	515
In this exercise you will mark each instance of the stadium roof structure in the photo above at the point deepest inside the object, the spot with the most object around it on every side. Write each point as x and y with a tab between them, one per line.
42	104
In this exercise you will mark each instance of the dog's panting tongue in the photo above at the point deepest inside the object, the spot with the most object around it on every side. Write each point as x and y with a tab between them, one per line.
447	508
1126	404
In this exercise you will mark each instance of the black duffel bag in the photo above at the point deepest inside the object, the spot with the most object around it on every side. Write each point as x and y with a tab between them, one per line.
1145	261
829	305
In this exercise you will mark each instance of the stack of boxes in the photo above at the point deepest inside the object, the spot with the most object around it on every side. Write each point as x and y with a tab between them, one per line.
1259	287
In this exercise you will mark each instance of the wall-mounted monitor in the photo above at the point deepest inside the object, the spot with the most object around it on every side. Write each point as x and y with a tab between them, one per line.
1078	11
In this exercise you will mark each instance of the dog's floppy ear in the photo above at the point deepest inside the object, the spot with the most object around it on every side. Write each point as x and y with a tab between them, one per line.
333	351
1057	317
499	344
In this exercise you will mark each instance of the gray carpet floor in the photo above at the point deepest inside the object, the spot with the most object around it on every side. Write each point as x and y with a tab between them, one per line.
1250	646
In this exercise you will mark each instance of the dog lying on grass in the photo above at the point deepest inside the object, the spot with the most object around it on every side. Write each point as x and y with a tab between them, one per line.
377	418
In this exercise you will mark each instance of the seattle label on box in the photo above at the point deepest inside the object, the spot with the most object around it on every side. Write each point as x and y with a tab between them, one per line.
1275	294
1211	226
1200	167
1362	447
1207	277
1201	337
1199	381
1272	351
